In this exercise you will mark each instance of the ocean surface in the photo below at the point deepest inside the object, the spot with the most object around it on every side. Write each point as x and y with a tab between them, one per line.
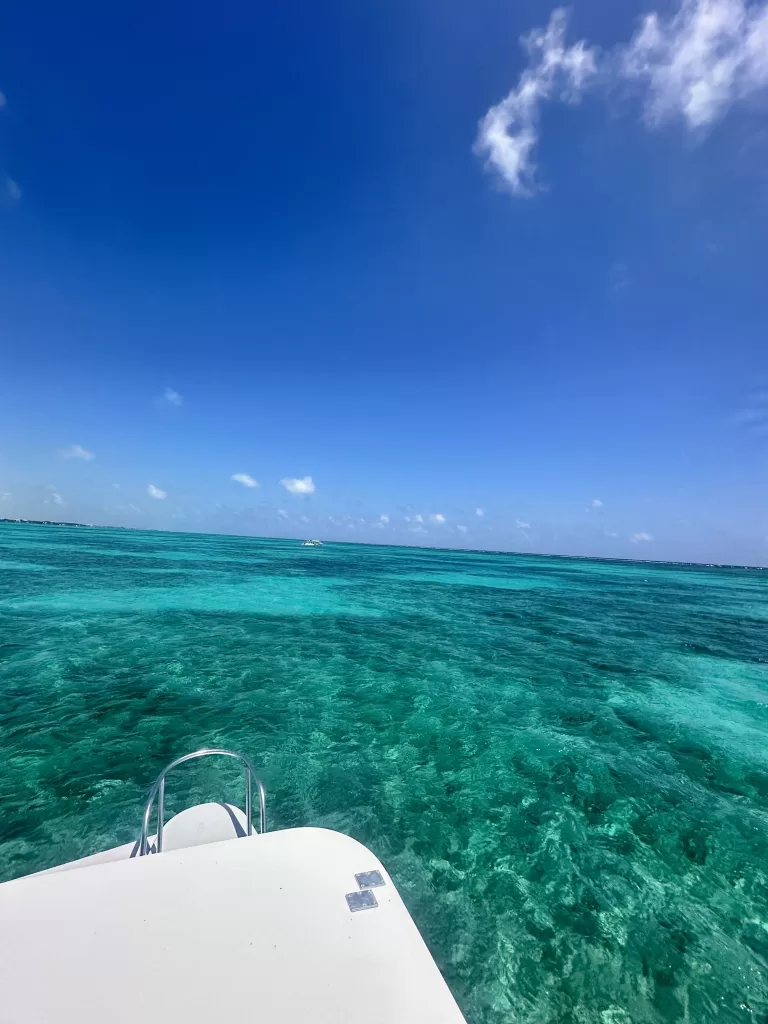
563	763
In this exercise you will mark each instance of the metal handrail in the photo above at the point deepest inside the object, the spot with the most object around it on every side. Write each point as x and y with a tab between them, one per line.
158	790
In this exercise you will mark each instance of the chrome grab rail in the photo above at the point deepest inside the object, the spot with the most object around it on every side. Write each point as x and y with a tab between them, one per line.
158	790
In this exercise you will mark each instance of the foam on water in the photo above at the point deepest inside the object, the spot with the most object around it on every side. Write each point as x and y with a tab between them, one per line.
562	762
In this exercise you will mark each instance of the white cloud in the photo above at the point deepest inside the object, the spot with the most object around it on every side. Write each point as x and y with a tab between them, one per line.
509	132
12	189
6	496
282	514
619	279
57	499
754	416
298	485
479	512
611	533
155	492
384	520
691	65
521	525
699	61
135	508
460	528
305	519
417	518
245	480
437	517
596	503
416	529
172	397
76	451
639	538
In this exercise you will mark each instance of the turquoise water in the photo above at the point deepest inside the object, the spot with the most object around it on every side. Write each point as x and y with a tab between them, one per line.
563	763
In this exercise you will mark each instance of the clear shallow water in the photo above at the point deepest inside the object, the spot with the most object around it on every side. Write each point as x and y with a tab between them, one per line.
563	763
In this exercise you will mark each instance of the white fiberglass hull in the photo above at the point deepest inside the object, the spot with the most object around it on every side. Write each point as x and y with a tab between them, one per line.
290	927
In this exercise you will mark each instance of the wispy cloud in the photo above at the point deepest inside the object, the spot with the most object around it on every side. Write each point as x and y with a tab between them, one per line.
12	189
6	496
753	417
641	537
171	397
245	480
282	514
437	517
305	519
155	492
298	485
57	499
522	525
416	518
460	528
479	512
691	65
384	520
619	279
76	451
416	529
696	63
597	503
509	131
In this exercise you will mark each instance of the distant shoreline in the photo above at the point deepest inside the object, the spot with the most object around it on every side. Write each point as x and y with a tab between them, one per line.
409	547
51	522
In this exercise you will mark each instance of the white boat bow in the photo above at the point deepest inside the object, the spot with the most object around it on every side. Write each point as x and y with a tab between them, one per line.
289	927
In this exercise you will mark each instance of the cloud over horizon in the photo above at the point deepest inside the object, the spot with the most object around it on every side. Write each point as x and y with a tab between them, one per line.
298	485
155	492
76	451
245	480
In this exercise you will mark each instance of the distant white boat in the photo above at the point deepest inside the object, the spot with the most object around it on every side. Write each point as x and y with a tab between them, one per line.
312	544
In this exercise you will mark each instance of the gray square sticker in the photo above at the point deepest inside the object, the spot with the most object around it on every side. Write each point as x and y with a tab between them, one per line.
369	879
361	900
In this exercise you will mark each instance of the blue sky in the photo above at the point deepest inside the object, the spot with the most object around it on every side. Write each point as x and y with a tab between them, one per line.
435	258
